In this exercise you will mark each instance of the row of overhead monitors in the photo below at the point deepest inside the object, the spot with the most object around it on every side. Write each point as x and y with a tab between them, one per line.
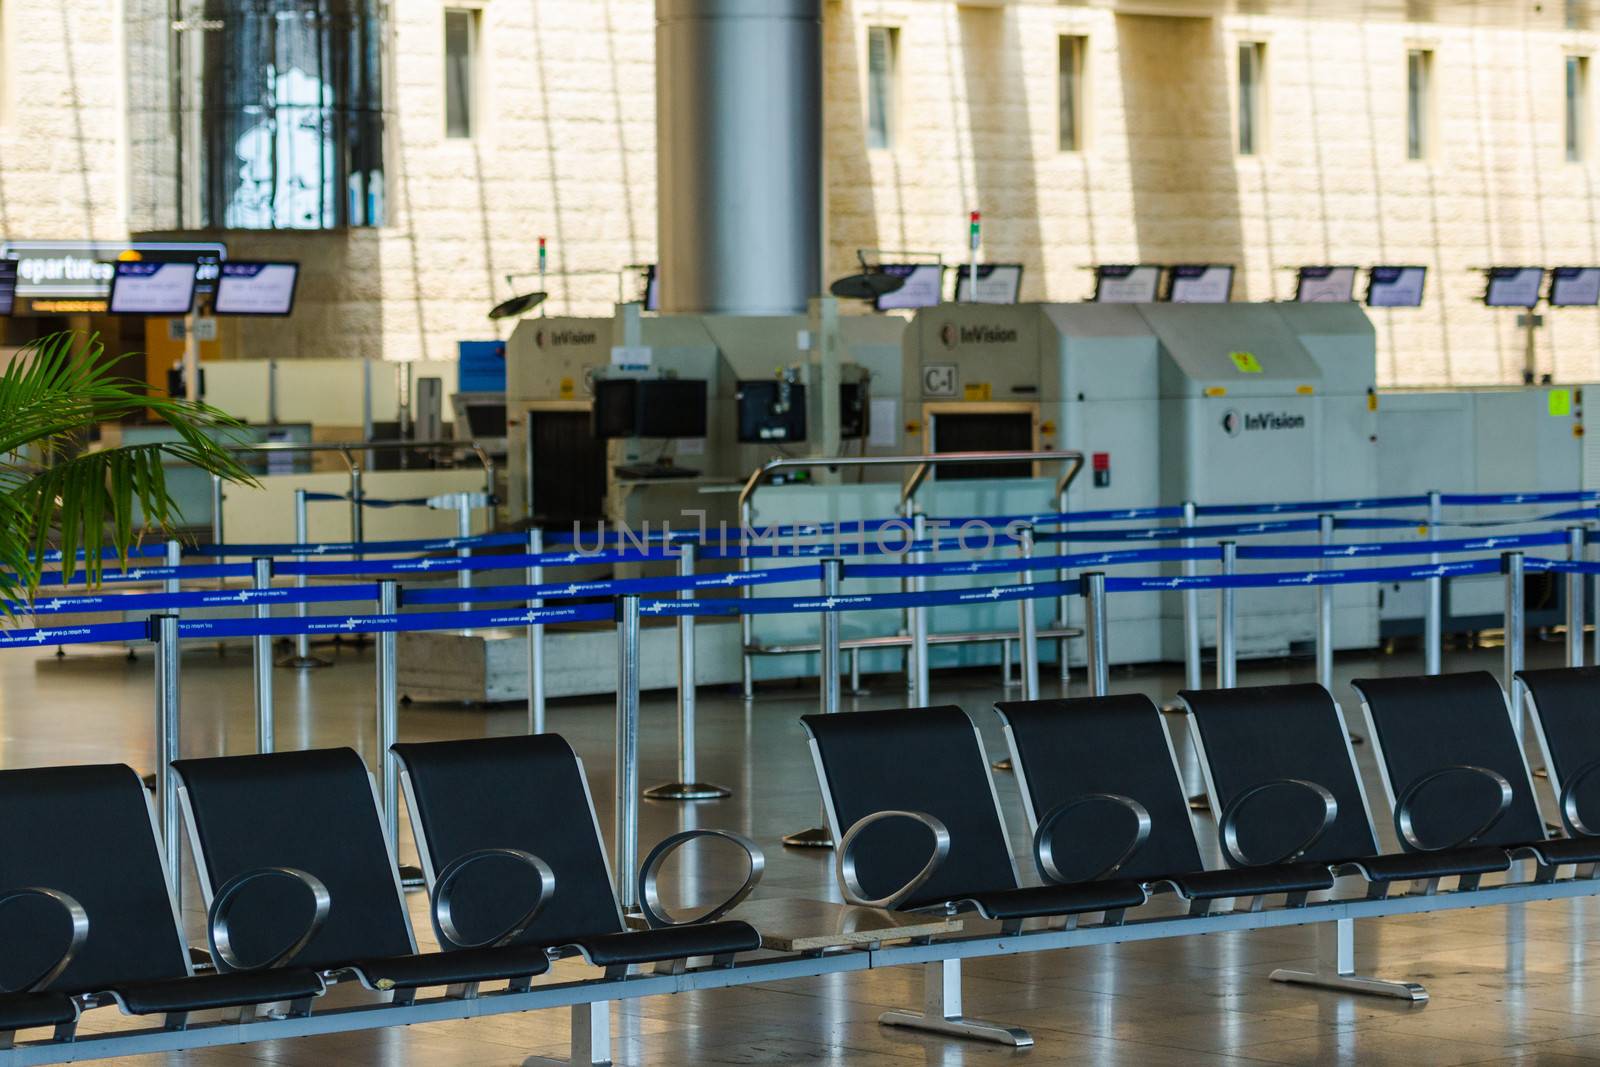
147	287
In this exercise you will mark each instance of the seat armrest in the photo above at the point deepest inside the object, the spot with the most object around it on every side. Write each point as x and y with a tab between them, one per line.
219	920
1044	844
650	875
844	859
1406	828
1228	826
80	933
1569	801
443	889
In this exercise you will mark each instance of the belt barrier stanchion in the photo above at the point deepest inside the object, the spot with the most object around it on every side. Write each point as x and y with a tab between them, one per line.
828	670
164	629
688	786
1191	611
1575	584
389	714
261	661
920	686
356	517
216	509
1094	632
1433	621
626	825
1028	624
1511	563
1227	650
535	576
1324	611
302	658
747	623
464	529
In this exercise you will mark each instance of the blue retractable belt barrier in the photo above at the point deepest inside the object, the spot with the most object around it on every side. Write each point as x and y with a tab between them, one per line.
1312	506
1404	548
1479	499
327	496
1179	533
75	635
417	621
1352	576
313	594
1121	557
344	548
614	587
1562	566
451	564
149	574
859	602
134	552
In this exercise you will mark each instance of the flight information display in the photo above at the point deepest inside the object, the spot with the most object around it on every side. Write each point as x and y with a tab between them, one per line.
1396	287
256	288
1574	287
8	286
998	283
1124	283
1200	284
923	288
1326	285
141	288
1514	287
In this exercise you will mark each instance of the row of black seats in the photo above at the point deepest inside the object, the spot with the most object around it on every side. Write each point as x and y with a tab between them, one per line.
302	886
1111	824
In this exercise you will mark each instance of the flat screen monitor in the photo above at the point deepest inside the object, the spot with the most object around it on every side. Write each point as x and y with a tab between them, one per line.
8	286
1572	287
671	407
141	288
616	404
998	283
256	288
923	288
1124	283
1513	287
1200	284
1325	285
1396	287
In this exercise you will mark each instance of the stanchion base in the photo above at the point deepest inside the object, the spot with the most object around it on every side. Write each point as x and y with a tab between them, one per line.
1002	764
688	791
411	878
1198	802
816	837
303	663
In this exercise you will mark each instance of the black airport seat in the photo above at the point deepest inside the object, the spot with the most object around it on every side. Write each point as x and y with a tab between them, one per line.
317	812
1455	770
1566	709
529	794
1282	774
883	773
85	914
1081	762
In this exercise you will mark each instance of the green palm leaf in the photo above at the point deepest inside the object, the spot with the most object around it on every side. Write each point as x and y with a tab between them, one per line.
54	493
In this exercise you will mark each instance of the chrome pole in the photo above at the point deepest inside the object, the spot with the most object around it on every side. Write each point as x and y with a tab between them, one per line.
1324	610
389	712
536	708
920	683
356	517
1511	564
302	527
828	696
626	824
747	624
261	660
464	529
216	509
1063	603
1575	590
1094	632
1433	621
164	630
1028	623
1192	678
1227	650
688	786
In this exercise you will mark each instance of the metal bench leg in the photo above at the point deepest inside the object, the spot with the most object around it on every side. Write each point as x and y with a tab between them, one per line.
1336	967
941	1011
591	1033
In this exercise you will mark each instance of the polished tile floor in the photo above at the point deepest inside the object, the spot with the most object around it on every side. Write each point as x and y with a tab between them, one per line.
1508	986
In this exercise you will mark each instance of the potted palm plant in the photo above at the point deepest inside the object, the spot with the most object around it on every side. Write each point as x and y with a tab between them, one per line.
55	493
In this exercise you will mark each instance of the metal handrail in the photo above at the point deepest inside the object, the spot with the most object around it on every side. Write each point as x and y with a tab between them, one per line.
920	465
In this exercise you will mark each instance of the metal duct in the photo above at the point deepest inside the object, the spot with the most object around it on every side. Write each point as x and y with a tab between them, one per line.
739	154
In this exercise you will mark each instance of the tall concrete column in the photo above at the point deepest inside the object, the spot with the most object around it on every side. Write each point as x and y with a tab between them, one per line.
739	154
